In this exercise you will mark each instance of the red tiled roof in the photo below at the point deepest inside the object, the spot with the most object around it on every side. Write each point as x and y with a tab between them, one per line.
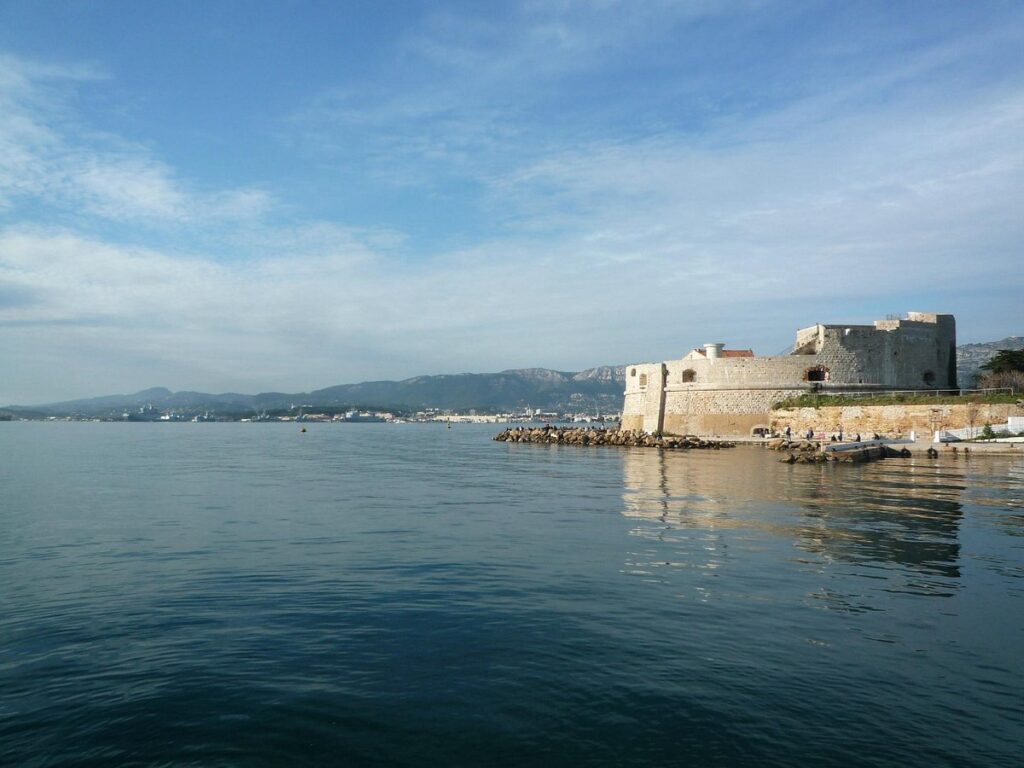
729	352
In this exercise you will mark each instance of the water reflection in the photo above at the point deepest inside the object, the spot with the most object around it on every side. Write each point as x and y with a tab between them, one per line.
888	516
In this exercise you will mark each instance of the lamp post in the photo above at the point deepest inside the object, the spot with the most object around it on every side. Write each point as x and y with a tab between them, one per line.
935	421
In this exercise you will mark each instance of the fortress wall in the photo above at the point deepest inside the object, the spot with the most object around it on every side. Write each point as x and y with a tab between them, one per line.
632	413
654	413
892	419
751	401
741	371
720	412
855	355
944	346
721	424
645	384
894	353
732	395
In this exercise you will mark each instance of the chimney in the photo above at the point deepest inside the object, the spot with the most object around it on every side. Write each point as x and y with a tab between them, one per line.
713	351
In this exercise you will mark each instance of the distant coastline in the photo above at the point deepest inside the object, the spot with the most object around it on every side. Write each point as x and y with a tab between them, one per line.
546	394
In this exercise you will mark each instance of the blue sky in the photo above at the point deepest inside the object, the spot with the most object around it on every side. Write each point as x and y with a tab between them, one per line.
284	196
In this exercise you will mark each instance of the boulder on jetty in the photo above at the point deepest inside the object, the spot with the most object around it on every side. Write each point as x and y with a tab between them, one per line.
624	437
806	457
798	451
805	452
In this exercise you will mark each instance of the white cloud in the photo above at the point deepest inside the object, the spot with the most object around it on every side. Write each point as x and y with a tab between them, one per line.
292	321
47	155
115	187
898	188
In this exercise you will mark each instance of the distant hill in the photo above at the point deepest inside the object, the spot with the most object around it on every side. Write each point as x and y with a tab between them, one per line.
970	357
595	389
535	387
590	390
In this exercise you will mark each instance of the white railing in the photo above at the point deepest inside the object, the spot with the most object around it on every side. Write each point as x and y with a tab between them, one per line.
1014	425
967	433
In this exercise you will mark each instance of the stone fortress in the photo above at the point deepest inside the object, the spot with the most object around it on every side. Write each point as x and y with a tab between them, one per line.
719	391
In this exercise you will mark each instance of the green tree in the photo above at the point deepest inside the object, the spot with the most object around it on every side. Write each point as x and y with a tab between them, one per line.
1004	371
1006	361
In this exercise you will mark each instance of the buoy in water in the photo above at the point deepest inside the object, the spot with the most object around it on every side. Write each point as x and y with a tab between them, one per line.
303	429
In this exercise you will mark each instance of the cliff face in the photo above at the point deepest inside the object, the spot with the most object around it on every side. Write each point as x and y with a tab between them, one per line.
611	374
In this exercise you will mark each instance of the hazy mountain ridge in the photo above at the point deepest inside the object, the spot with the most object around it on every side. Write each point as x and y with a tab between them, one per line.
970	357
594	389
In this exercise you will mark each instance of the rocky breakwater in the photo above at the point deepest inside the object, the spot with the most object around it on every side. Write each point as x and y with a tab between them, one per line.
625	437
804	452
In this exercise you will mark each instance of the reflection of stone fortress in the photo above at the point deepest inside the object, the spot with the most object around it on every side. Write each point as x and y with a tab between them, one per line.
852	517
715	391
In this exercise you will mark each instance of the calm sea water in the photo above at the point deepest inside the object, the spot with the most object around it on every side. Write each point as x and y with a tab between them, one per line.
235	594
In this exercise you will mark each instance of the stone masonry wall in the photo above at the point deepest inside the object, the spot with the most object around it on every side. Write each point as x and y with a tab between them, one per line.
719	412
642	406
633	421
733	395
644	390
891	420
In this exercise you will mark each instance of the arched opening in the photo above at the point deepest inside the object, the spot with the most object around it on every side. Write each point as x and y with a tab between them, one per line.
817	373
632	371
929	378
643	379
761	431
688	375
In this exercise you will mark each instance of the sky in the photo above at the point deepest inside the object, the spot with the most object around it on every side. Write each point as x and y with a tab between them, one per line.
283	196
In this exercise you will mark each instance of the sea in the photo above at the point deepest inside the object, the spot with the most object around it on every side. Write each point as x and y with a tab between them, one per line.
410	595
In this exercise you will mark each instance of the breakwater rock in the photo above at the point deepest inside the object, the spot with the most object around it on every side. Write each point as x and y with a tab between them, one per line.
803	452
625	437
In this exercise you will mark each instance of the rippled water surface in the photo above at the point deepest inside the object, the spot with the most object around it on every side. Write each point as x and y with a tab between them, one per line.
236	594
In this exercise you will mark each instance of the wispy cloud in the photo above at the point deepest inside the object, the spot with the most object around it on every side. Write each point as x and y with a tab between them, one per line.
623	181
47	154
117	187
473	95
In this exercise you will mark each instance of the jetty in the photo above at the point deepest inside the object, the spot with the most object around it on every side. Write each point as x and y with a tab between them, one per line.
812	452
621	437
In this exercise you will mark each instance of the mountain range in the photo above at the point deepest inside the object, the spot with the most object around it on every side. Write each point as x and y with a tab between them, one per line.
593	390
970	357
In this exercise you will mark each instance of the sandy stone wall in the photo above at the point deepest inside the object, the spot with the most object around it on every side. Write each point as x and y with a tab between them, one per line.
719	411
715	424
644	399
633	421
891	420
